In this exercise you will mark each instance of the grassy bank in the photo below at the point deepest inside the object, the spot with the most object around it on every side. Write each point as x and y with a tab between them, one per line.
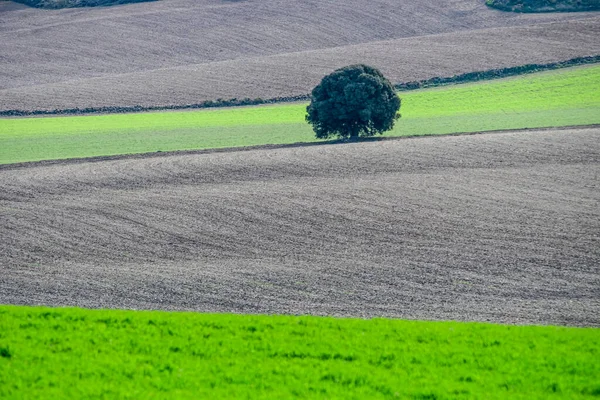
76	353
556	98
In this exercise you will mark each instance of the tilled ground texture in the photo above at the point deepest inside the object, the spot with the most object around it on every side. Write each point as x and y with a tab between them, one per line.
294	74
494	227
186	51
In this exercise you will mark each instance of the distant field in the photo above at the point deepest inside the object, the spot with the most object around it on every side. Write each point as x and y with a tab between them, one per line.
296	73
76	353
556	98
49	47
188	51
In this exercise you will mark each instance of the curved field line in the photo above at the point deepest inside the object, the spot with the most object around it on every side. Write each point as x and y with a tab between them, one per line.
496	227
557	98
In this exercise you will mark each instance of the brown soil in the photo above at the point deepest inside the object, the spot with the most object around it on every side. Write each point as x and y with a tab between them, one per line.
497	227
186	51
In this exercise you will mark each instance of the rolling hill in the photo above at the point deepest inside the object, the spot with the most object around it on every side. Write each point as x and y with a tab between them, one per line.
182	51
496	227
564	97
499	227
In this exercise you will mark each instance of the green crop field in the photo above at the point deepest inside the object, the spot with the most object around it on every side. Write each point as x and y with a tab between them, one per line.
556	98
77	353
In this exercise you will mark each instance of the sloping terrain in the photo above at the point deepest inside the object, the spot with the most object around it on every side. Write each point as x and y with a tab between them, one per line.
294	74
497	227
189	50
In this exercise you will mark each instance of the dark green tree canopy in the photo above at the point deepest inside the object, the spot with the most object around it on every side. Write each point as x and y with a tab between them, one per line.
351	102
533	6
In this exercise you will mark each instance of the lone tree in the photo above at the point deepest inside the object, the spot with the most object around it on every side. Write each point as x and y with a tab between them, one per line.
352	102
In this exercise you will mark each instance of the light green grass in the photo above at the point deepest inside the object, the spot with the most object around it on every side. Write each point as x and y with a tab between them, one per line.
557	98
76	353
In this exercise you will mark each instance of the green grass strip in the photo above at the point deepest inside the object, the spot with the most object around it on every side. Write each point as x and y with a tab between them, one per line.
77	353
556	98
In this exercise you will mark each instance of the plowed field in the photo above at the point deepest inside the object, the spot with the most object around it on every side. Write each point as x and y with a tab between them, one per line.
494	227
186	51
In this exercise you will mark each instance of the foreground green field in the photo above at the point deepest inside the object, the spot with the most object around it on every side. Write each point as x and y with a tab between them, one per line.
557	98
77	353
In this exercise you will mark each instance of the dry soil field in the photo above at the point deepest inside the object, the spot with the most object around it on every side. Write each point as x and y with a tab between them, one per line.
493	227
187	51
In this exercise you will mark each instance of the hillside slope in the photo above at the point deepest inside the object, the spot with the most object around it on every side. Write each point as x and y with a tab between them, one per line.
53	46
41	46
496	227
297	73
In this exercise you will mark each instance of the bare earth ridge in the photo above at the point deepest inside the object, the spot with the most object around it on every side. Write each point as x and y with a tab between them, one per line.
295	74
186	51
495	227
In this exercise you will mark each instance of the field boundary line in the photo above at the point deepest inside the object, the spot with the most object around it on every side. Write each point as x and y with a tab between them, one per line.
157	154
469	77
